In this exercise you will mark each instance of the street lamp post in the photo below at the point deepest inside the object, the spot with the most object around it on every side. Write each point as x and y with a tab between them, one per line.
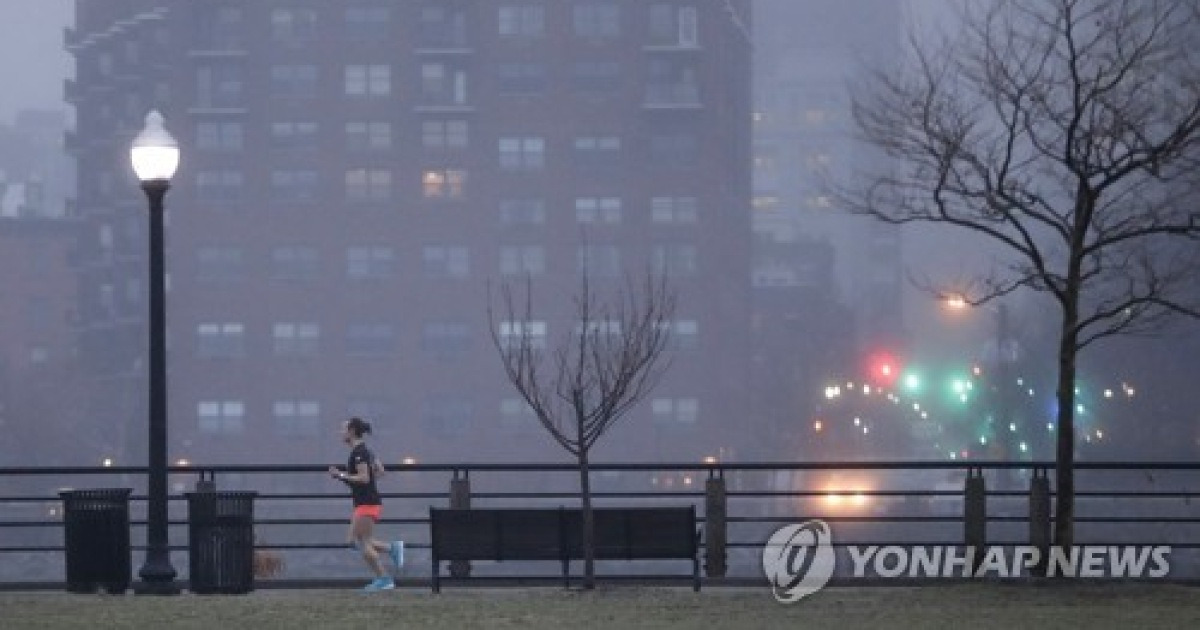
155	156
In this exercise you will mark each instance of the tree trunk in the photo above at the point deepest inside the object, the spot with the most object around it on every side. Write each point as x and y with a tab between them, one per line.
1064	468
589	529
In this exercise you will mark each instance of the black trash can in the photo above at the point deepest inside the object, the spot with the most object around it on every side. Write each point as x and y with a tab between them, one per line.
96	536
221	542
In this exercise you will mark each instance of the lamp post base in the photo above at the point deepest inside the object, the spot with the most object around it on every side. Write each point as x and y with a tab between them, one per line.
158	578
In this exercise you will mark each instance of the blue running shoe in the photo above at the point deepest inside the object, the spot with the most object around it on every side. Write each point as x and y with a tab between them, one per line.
380	584
397	553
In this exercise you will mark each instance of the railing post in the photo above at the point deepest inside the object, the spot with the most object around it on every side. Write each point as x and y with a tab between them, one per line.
460	499
975	517
715	531
1039	519
207	481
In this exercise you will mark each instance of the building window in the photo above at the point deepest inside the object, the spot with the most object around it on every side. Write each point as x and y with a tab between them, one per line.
599	329
598	210
368	80
214	136
521	78
674	25
370	340
293	27
442	27
599	261
219	86
220	28
296	418
444	261
296	339
221	417
523	260
675	410
679	210
368	185
513	333
219	264
443	85
219	186
368	24
596	76
220	340
293	81
444	134
444	183
522	154
294	185
446	339
677	259
597	20
369	263
672	83
522	212
294	135
369	136
684	334
522	20
447	417
597	151
297	262
516	416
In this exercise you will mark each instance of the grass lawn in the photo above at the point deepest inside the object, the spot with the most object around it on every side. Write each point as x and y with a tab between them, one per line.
952	606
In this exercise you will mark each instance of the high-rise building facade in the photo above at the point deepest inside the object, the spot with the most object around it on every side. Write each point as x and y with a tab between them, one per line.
827	285
355	175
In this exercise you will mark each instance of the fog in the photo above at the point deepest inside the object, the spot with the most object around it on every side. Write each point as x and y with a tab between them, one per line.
337	223
802	59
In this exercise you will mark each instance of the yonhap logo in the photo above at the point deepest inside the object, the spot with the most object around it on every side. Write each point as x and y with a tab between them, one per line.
798	560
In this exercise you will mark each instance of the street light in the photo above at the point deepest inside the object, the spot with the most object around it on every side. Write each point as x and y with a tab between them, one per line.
155	156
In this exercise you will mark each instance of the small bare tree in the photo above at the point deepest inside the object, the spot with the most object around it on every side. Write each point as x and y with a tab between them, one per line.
612	359
1067	132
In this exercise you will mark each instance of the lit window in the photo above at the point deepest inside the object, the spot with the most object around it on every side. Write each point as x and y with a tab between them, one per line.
522	154
368	185
368	80
221	417
447	184
598	210
681	210
296	339
513	333
675	410
296	417
220	340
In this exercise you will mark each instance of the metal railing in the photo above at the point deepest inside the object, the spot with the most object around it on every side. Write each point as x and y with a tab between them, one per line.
301	515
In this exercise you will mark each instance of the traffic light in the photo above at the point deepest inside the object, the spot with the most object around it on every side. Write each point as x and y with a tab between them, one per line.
883	368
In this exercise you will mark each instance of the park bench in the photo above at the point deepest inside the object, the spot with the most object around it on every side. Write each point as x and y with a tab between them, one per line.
621	533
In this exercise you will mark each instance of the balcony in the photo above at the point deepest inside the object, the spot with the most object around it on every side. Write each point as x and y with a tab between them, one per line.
672	96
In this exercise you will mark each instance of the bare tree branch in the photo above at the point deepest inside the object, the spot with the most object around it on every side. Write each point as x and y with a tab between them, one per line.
1069	133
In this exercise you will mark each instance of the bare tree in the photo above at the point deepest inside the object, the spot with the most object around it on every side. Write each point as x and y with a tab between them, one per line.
1067	132
597	372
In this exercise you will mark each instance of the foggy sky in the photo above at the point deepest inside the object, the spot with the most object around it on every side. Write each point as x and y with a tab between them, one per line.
33	62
